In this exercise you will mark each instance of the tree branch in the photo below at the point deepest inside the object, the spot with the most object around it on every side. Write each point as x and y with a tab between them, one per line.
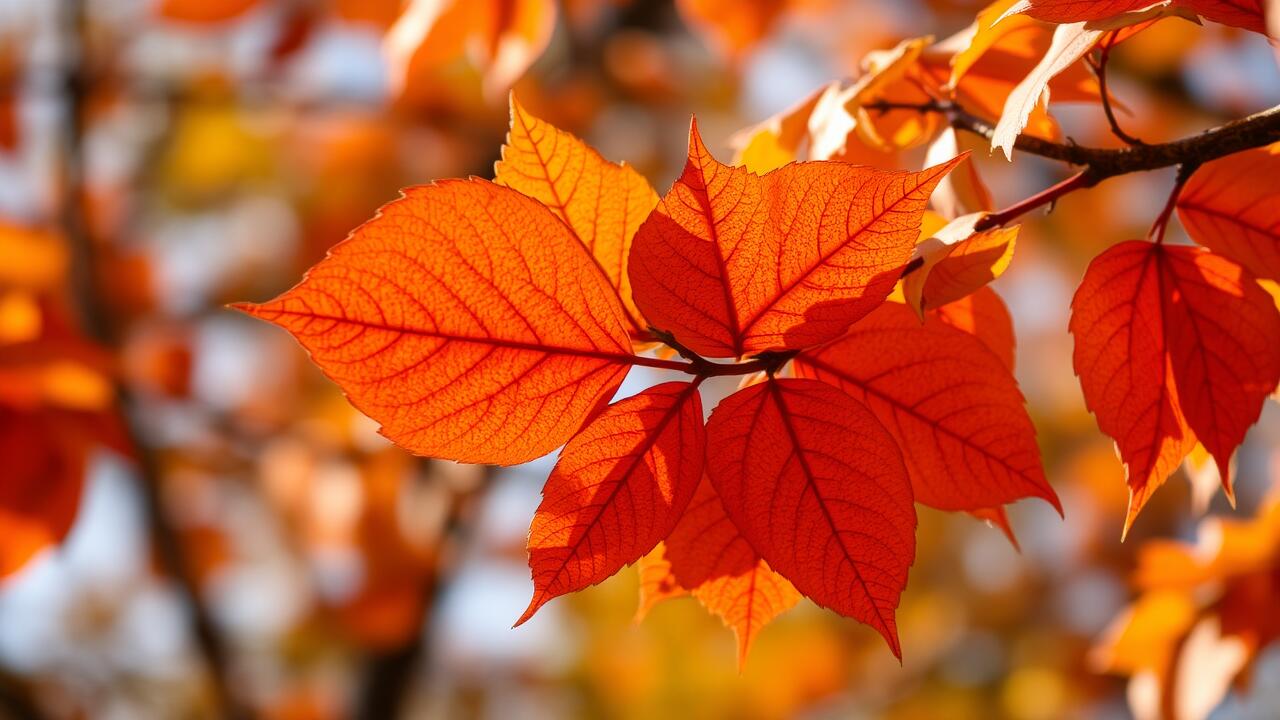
97	324
1257	130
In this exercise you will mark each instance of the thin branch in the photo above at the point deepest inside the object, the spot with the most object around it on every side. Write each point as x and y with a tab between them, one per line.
1048	196
1100	69
1257	130
98	325
1162	220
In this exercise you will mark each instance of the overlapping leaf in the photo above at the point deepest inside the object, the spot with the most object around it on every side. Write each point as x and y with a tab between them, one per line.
602	202
1172	343
619	488
983	315
950	404
1232	206
956	261
784	260
467	320
1245	14
818	488
708	555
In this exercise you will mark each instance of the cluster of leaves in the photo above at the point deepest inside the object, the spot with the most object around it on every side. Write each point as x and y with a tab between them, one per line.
488	322
1204	614
57	398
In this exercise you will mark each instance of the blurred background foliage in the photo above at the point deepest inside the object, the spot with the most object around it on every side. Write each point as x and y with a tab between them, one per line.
239	541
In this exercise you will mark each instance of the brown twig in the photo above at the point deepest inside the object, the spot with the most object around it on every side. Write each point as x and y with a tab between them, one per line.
1100	70
1261	128
387	674
98	325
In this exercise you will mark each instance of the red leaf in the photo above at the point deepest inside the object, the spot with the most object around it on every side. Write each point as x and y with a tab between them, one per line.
617	491
949	402
998	517
817	486
1172	343
983	315
783	260
1245	14
1232	206
467	320
710	556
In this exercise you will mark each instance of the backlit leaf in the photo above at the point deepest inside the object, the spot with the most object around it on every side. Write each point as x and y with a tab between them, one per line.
710	556
958	261
617	491
1245	14
1172	343
602	202
817	486
783	260
950	404
984	315
467	320
1232	206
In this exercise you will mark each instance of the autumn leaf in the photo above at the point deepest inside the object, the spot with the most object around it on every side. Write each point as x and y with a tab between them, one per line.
817	486
950	404
656	581
467	320
708	554
998	518
602	202
1232	207
963	191
776	261
501	38
205	11
1172	343
619	488
956	261
983	64
1203	617
1245	14
984	315
732	26
56	408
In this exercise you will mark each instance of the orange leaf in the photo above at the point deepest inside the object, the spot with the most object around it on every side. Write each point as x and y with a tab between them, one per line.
501	38
817	486
602	202
958	261
783	260
1245	14
205	11
1232	206
733	26
949	402
617	491
657	583
983	315
1172	343
709	555
467	320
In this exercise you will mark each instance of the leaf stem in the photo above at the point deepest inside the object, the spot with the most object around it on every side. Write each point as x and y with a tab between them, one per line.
1048	196
1100	69
1162	220
702	368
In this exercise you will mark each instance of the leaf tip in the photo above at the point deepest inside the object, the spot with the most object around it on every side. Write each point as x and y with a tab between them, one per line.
535	603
